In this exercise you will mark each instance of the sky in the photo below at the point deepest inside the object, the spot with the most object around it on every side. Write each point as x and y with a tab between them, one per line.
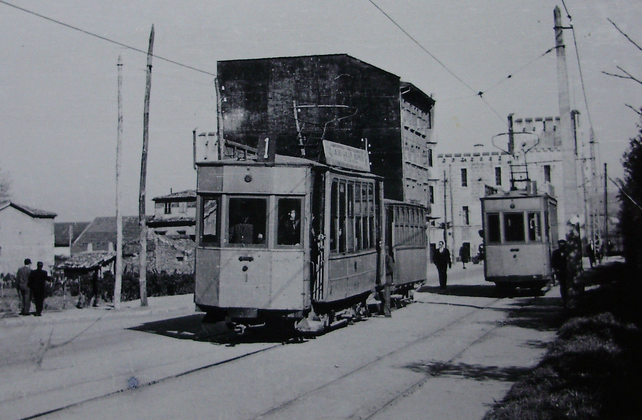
58	85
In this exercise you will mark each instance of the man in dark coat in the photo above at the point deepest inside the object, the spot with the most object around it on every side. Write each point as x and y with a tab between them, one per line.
37	281
559	265
22	285
442	260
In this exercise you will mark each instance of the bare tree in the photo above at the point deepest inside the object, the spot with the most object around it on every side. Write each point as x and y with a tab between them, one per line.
5	186
623	74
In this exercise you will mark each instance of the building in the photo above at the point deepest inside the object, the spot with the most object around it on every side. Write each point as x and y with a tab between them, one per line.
174	214
65	233
466	177
25	232
296	103
100	235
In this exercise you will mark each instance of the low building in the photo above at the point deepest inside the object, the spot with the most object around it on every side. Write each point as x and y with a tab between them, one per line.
174	214
65	234
25	232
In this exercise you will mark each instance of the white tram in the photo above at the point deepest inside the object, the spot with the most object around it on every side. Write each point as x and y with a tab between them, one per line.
278	239
519	236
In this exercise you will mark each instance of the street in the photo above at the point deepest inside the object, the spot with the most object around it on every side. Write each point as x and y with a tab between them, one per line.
447	355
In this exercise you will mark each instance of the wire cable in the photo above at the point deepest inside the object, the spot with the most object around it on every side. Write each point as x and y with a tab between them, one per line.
104	38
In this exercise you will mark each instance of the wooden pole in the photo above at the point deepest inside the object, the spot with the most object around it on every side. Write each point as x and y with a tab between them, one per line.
119	216
143	178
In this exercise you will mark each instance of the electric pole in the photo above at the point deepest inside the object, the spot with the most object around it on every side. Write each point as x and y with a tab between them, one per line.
142	219
119	216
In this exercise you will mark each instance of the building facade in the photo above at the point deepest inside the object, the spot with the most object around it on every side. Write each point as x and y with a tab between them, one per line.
298	102
468	176
174	214
25	232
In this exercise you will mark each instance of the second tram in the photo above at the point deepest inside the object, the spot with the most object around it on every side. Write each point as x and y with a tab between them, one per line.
519	235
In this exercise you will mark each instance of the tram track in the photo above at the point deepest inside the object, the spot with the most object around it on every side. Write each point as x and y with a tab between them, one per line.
372	411
274	412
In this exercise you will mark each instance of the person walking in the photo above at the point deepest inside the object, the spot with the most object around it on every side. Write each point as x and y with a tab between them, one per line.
464	255
22	285
559	264
37	281
442	260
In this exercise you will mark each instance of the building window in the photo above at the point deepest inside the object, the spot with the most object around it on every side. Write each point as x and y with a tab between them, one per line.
430	158
431	194
464	177
465	214
498	175
547	173
168	208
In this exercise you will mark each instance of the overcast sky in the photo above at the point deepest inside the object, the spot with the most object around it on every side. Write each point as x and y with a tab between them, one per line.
58	103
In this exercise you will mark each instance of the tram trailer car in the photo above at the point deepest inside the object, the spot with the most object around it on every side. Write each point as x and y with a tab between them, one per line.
406	245
518	238
277	240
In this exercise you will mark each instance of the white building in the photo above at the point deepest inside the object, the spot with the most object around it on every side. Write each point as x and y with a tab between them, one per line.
25	232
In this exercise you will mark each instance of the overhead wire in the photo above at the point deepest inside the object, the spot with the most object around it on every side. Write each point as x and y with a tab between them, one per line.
452	73
75	28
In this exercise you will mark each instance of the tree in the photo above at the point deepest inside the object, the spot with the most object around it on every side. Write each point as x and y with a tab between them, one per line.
631	196
5	186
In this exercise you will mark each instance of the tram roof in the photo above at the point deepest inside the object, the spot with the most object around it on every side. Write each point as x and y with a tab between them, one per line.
284	160
516	194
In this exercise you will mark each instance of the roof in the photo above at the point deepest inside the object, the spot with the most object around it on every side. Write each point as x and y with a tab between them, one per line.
35	213
87	261
187	195
103	229
61	232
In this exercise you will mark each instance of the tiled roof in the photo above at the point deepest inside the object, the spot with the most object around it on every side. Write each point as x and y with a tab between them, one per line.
88	260
187	195
36	213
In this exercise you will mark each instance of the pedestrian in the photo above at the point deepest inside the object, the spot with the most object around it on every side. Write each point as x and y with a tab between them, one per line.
560	269
37	281
464	255
22	285
590	251
94	287
442	260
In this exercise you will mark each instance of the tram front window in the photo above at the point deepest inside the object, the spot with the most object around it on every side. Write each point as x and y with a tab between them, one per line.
514	227
493	228
289	228
247	221
534	228
209	234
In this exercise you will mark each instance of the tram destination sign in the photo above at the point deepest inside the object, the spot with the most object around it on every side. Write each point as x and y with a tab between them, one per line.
346	156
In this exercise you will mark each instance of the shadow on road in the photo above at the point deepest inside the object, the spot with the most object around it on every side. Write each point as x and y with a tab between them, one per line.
541	314
191	327
467	371
480	290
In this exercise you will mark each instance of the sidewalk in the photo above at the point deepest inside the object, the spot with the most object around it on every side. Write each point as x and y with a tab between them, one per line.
156	305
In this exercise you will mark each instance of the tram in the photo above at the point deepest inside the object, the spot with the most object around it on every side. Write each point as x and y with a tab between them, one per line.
519	236
289	238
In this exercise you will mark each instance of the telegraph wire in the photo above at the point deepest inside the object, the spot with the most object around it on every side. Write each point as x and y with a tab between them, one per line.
104	38
452	73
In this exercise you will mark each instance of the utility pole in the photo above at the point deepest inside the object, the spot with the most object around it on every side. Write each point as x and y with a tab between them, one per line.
568	147
445	211
605	240
219	121
119	215
142	219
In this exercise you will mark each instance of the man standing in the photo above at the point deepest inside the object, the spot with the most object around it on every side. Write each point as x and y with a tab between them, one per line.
37	280
442	260
559	265
22	285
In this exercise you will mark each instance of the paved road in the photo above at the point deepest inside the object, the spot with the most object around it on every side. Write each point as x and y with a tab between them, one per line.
448	355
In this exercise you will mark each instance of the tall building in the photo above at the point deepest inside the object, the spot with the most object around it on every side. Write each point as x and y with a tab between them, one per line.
297	102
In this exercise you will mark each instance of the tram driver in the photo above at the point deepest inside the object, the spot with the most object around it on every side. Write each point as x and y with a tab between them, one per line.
290	229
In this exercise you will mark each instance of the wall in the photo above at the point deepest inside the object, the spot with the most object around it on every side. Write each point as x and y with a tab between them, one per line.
22	236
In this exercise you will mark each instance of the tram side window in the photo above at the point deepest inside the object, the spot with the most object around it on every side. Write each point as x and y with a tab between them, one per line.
514	227
289	227
247	221
534	227
493	227
209	234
